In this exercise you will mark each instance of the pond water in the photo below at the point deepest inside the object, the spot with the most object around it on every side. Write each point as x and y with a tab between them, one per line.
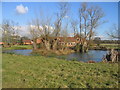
95	55
26	52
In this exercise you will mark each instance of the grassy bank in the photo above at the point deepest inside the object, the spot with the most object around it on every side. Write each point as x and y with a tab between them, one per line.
105	46
17	47
43	72
52	52
110	46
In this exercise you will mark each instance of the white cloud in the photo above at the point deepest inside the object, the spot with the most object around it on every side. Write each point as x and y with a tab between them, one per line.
35	27
41	27
99	36
66	16
102	37
24	30
21	9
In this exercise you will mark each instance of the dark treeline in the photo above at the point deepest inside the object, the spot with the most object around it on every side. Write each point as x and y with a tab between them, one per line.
108	41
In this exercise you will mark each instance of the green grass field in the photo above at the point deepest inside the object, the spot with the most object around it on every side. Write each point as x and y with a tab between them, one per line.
17	47
111	46
42	72
107	46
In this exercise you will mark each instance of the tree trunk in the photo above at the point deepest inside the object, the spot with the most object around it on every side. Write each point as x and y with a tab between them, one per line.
54	45
47	45
111	56
34	45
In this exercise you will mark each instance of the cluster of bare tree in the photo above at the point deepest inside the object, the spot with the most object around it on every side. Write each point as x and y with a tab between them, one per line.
47	30
9	31
52	27
114	32
89	18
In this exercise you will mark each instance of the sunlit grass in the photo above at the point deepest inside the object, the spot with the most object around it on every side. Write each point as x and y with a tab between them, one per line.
17	47
111	46
42	72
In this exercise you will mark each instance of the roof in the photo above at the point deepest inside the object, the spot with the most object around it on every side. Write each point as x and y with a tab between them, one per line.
1	42
27	41
67	39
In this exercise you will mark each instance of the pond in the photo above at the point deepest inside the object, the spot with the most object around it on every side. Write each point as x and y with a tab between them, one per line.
26	52
95	55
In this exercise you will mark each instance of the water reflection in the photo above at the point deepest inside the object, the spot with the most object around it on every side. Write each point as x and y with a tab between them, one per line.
95	55
26	52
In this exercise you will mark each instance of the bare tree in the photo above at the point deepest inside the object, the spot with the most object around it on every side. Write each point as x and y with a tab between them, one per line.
74	24
63	9
80	20
95	14
89	20
64	35
84	21
114	32
9	31
41	29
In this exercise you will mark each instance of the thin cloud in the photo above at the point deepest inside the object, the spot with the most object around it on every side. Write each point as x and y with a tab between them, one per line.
66	16
20	9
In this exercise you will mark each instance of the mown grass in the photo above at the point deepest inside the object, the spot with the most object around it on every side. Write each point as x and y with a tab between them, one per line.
111	46
42	72
104	46
17	47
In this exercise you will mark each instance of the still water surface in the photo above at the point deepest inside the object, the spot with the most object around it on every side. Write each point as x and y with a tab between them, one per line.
95	55
25	52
